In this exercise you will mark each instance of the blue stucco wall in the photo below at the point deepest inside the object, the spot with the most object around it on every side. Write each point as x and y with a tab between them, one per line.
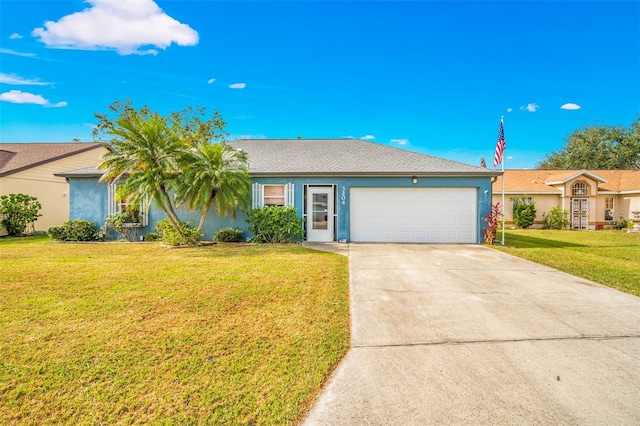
344	185
88	199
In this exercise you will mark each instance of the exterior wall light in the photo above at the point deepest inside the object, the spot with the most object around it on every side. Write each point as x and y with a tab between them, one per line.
414	179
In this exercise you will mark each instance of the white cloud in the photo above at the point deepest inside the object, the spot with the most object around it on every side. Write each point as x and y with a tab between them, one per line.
571	106
247	136
17	80
532	107
20	97
368	137
13	52
237	86
211	80
509	109
400	141
123	26
15	36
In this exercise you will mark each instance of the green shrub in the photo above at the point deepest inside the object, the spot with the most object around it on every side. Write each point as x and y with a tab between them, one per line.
275	224
18	211
524	212
623	224
557	218
151	236
125	223
228	235
186	235
74	230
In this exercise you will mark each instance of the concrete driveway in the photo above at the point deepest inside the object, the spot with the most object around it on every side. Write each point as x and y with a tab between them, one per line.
463	334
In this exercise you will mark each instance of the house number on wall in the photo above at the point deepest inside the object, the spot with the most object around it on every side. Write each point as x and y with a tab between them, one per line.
343	197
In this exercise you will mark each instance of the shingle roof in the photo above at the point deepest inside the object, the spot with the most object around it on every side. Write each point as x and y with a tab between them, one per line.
538	181
15	157
345	157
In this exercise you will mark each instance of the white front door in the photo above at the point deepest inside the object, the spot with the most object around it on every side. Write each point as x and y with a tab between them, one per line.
320	214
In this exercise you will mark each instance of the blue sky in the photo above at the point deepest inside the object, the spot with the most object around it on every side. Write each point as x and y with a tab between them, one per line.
431	77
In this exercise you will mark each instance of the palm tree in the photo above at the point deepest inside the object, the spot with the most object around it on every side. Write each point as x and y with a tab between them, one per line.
143	157
214	173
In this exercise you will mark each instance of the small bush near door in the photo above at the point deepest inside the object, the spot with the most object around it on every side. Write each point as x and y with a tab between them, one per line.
557	218
275	224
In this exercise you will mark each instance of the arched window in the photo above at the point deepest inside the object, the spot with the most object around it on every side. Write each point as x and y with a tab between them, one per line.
580	189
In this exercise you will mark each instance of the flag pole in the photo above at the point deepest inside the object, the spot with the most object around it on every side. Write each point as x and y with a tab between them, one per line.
502	124
501	145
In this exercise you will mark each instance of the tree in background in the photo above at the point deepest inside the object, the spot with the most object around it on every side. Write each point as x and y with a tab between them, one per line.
598	147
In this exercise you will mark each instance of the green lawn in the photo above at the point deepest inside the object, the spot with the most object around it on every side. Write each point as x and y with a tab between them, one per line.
137	333
607	257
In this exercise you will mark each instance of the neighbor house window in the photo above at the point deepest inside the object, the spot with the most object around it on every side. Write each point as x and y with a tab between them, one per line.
608	208
271	194
580	189
126	206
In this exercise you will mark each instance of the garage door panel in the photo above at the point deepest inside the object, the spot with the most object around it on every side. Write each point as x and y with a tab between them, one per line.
441	215
465	221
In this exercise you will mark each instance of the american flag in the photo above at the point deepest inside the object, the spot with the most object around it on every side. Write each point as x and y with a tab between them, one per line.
500	146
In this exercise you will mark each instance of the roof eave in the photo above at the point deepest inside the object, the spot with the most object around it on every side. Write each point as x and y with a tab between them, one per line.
81	175
528	192
375	174
575	175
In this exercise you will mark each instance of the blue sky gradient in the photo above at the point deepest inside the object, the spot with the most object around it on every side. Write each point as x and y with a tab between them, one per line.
431	77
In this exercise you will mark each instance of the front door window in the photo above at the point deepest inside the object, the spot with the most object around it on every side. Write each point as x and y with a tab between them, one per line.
320	211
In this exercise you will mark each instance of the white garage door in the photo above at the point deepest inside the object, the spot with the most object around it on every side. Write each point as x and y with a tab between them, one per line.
416	215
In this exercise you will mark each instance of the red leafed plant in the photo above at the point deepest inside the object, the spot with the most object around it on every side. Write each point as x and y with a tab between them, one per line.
492	219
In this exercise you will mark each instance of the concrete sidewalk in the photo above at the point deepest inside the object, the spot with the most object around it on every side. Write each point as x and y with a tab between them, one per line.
463	334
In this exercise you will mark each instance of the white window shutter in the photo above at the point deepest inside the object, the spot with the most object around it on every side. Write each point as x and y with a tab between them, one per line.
144	211
288	194
256	195
112	204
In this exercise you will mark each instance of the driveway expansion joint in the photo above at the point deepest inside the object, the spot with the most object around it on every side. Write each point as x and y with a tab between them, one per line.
467	342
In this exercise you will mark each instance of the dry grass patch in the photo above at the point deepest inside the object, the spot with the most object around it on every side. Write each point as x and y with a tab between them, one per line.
607	257
136	333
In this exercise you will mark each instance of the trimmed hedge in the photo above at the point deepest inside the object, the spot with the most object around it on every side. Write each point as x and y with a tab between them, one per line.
74	230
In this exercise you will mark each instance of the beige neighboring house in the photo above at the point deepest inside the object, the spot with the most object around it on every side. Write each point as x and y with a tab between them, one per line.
593	198
29	168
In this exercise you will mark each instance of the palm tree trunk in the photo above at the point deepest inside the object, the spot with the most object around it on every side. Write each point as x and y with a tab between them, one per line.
168	209
205	213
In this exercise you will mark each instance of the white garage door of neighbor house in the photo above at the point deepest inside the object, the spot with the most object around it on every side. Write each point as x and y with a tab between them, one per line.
413	215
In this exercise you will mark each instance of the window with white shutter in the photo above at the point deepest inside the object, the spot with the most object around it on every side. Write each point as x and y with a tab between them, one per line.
272	195
138	212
